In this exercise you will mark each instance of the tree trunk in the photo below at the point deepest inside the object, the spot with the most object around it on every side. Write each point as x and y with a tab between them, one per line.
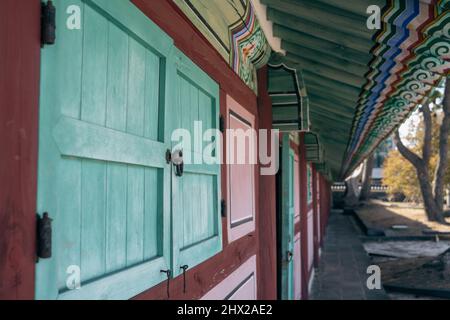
352	188
432	211
439	176
367	179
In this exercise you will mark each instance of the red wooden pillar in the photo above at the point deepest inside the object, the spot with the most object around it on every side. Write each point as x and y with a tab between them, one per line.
19	101
267	274
324	207
327	201
316	219
303	215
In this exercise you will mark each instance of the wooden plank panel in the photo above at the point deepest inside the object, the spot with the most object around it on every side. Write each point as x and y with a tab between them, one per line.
117	79
93	104
121	285
189	203
135	215
153	190
70	97
136	88
205	112
93	219
152	110
68	230
116	209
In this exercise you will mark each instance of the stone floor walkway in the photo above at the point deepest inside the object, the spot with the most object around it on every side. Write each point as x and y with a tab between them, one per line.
342	269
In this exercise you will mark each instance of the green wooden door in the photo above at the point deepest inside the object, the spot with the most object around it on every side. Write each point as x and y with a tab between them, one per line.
287	219
197	227
102	176
112	94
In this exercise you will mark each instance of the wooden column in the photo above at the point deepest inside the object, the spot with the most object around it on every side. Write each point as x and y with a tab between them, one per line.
19	101
267	258
316	222
303	215
323	207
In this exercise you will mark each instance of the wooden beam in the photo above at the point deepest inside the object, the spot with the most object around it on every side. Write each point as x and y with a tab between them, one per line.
326	47
335	112
316	30
327	118
358	7
336	132
333	94
311	77
284	99
331	61
328	16
329	72
285	113
336	104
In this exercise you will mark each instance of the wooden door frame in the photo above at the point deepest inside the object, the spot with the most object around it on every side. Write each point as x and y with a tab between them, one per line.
19	94
281	207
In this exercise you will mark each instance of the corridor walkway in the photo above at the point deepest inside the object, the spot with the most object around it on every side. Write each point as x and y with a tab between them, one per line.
342	269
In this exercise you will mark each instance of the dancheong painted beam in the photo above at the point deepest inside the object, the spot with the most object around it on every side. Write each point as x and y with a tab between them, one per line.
379	76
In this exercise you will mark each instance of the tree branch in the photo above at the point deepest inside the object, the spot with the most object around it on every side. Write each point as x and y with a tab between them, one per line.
438	183
415	160
428	124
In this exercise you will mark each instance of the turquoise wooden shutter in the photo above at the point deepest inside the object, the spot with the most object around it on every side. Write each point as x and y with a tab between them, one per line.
197	227
287	220
102	174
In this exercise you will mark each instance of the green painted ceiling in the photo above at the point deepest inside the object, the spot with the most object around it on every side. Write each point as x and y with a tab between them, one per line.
329	42
358	81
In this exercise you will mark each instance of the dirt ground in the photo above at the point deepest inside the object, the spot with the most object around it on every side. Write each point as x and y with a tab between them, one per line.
383	215
407	263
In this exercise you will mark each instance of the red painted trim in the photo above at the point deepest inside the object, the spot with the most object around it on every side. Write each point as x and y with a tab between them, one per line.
294	147
193	44
267	257
298	227
325	203
207	275
303	215
19	100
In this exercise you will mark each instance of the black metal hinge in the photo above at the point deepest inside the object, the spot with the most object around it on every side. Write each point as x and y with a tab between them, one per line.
222	124
223	208
48	23
43	237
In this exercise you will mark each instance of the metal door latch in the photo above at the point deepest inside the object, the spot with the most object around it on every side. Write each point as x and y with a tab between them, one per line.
177	160
289	256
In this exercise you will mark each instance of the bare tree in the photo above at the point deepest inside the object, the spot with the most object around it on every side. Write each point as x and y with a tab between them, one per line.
352	191
432	191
